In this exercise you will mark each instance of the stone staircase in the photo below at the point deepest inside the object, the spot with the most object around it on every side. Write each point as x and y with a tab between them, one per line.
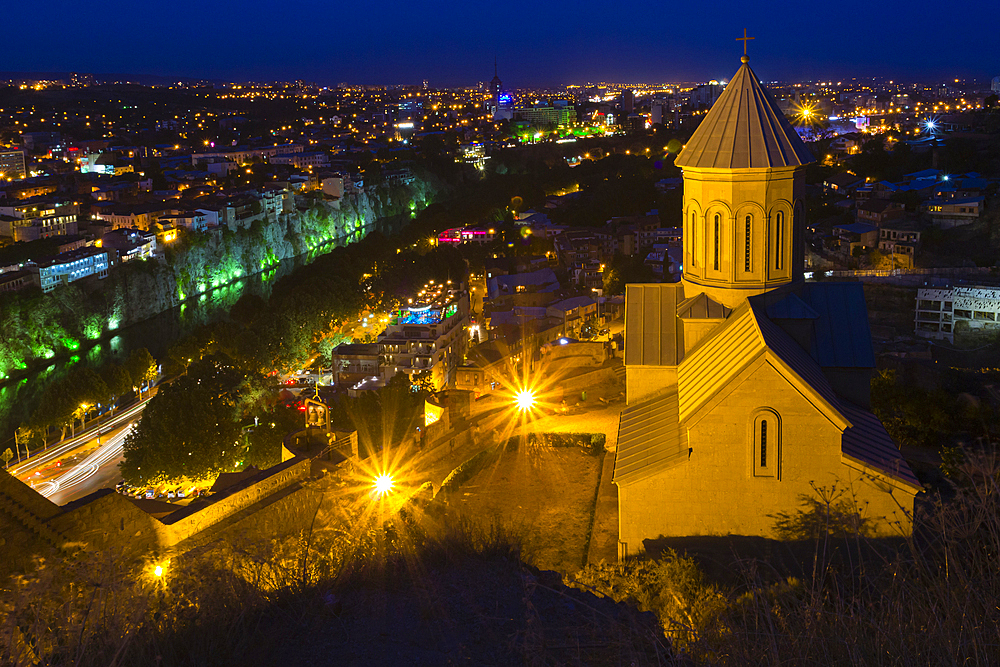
21	515
619	372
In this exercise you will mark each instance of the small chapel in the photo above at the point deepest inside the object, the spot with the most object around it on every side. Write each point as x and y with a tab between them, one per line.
747	388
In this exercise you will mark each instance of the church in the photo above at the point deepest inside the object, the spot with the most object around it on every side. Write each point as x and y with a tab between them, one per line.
747	388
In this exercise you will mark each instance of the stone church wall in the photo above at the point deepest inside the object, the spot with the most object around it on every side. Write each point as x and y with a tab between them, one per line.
714	492
886	506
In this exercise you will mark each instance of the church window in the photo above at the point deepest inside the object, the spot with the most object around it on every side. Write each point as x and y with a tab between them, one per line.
765	435
779	240
694	238
749	245
718	232
763	443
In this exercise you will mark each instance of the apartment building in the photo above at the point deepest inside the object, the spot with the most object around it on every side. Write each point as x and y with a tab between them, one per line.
428	335
71	266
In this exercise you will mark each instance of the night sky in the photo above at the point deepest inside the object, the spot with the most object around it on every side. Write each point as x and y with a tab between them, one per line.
537	43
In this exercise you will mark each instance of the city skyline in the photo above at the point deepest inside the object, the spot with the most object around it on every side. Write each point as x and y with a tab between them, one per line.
455	45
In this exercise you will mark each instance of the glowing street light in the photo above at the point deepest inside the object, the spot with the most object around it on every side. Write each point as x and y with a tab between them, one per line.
525	399
158	571
382	485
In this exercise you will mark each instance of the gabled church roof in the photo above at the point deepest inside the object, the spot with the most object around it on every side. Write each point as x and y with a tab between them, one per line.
742	340
843	337
652	434
650	324
744	129
791	308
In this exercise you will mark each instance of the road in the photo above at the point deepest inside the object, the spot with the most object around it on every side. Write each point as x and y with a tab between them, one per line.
98	469
81	465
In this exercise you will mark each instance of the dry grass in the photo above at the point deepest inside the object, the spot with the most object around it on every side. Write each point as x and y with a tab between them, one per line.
360	590
548	491
933	601
412	588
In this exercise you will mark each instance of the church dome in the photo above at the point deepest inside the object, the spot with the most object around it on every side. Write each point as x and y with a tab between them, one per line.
744	129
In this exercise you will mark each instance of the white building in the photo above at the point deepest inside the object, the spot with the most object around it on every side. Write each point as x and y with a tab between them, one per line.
71	266
272	200
196	221
38	218
943	312
244	155
303	160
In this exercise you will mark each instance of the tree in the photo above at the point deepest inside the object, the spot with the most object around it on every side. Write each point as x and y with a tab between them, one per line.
623	270
265	438
118	381
69	399
423	381
87	390
141	367
190	428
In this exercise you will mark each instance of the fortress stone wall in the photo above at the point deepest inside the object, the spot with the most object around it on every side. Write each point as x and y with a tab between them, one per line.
275	501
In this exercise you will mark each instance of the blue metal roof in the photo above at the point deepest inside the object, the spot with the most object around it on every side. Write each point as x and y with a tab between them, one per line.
843	338
868	441
791	308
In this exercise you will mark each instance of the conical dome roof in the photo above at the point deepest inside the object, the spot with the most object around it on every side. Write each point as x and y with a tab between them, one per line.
744	129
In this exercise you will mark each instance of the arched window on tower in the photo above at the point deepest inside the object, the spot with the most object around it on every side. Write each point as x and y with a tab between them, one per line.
779	239
718	240
748	250
765	435
694	238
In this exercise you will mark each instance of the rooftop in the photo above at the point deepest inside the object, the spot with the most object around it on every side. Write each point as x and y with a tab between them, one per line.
744	129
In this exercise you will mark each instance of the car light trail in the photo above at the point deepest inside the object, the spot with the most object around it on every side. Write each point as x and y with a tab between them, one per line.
61	450
89	466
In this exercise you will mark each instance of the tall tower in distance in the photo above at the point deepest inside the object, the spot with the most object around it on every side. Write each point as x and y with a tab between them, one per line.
743	188
495	85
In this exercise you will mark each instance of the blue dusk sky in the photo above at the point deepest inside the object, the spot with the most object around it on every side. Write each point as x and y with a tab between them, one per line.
454	43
